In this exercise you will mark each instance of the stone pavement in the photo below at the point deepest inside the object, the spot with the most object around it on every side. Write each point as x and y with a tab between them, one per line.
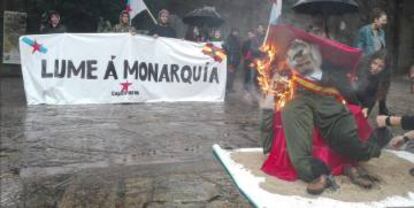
127	155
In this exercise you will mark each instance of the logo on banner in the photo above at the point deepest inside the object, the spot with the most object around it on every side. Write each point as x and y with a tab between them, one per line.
214	52
125	90
35	45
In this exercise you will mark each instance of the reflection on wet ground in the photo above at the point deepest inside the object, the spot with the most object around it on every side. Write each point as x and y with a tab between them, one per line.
127	155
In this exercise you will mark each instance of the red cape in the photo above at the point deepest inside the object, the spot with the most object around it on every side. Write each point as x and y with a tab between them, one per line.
337	54
278	162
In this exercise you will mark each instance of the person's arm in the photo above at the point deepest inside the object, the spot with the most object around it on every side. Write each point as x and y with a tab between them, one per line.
383	121
153	32
406	122
361	40
383	38
367	101
384	84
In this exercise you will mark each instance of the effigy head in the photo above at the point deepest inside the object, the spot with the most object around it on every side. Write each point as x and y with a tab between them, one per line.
304	57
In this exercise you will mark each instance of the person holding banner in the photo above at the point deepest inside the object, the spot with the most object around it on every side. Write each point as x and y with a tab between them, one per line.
124	24
54	25
163	29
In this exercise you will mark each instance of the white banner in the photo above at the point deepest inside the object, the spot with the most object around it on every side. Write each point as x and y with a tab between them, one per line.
119	68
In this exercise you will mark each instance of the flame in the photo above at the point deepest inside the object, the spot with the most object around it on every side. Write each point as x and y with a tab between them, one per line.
273	78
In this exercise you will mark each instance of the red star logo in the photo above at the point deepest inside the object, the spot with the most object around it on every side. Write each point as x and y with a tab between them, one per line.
125	86
128	8
36	47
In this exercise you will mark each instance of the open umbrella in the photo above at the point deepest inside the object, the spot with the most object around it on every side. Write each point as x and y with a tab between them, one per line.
326	8
206	16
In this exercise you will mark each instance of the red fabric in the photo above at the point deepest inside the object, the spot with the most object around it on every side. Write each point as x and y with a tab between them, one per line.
281	35
278	163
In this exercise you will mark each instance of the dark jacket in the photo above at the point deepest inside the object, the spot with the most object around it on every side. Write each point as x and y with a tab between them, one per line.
232	46
367	87
251	49
163	31
48	29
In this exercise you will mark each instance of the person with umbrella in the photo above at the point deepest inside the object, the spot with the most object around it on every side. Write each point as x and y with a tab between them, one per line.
325	8
163	29
207	20
204	17
216	36
370	39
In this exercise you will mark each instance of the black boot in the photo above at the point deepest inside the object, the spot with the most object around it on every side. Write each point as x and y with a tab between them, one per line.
412	171
383	110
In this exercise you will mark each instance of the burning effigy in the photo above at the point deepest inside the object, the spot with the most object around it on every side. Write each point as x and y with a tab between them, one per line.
314	130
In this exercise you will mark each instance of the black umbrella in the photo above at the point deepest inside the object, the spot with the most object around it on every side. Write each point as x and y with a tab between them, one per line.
326	8
206	16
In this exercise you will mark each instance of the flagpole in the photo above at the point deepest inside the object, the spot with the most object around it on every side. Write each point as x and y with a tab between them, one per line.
129	8
275	14
152	16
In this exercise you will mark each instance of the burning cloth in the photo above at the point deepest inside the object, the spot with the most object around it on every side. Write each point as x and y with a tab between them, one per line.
316	127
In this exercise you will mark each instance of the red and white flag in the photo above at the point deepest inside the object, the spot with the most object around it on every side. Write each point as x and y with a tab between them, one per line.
135	7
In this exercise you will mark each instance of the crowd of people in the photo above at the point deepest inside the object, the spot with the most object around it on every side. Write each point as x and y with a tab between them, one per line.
239	51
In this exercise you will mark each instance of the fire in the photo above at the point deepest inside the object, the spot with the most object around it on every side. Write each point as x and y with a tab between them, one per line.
274	77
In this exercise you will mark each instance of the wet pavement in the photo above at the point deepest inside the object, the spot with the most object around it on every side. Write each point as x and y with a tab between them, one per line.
127	155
